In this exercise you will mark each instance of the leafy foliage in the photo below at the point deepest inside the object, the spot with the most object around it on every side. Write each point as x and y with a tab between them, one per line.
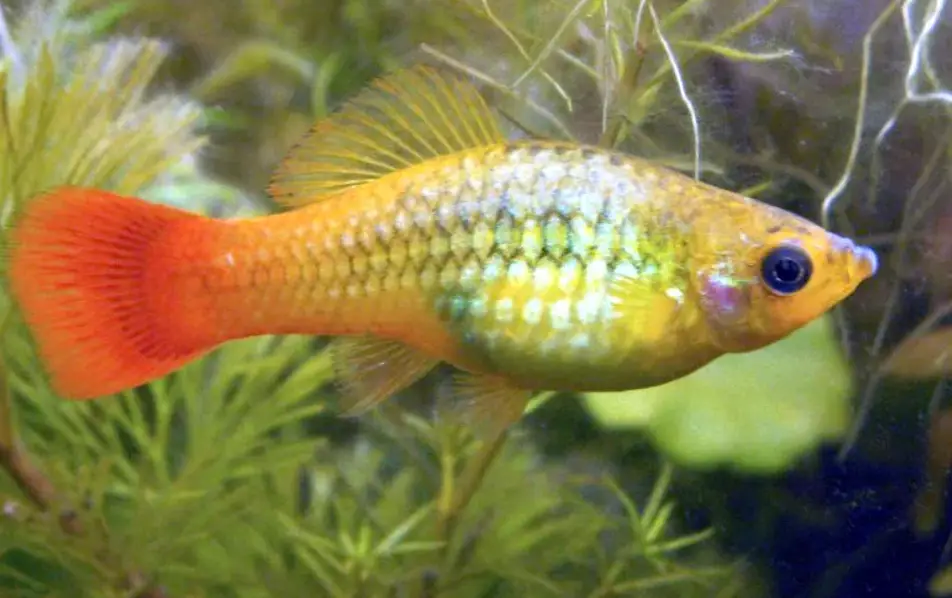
77	113
376	525
164	479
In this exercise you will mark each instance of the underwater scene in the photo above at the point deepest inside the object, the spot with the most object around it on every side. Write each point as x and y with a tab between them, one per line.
475	298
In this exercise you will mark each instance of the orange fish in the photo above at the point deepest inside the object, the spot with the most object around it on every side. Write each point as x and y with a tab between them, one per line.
419	235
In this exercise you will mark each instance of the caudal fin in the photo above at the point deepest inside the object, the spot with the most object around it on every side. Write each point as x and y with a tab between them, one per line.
82	268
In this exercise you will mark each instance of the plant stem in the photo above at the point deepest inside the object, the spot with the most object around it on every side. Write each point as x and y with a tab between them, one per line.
476	471
455	497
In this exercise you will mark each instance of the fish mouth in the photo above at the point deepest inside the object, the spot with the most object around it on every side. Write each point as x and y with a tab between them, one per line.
861	261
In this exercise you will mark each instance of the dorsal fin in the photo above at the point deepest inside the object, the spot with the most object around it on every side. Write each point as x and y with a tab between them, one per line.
400	120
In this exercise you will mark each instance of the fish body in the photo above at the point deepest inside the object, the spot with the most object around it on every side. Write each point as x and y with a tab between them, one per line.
499	260
529	265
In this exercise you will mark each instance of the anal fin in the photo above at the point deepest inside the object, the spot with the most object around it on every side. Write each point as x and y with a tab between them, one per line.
489	404
370	369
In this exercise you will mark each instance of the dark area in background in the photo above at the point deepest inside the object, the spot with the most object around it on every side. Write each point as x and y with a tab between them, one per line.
829	529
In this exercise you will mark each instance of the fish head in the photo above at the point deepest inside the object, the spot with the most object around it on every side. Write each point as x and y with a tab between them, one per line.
761	273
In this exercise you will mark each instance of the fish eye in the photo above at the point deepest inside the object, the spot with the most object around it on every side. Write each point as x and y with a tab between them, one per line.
786	270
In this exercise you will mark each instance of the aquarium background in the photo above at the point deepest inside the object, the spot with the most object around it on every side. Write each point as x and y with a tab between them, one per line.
815	468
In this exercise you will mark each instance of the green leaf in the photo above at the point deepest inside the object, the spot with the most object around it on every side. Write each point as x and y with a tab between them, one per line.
395	537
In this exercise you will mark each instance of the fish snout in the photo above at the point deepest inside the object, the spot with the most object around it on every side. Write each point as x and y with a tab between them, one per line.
861	261
865	263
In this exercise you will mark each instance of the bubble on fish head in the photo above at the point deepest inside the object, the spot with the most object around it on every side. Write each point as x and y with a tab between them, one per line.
768	282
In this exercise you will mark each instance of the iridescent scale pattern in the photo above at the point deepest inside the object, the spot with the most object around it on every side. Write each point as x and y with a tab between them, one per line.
511	248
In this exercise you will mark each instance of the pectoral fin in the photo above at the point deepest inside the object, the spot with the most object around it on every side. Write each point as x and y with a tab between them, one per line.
644	308
369	370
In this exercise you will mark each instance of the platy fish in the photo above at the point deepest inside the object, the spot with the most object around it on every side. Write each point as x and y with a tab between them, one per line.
417	234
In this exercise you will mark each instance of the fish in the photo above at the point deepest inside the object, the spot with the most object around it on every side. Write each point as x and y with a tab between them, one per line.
415	232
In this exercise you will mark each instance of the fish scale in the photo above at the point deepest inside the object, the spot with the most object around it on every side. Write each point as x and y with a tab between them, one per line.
510	249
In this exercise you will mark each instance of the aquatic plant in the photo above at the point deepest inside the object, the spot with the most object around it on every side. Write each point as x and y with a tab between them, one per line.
227	478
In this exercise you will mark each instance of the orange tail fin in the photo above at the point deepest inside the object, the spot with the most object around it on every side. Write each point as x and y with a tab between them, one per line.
83	270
